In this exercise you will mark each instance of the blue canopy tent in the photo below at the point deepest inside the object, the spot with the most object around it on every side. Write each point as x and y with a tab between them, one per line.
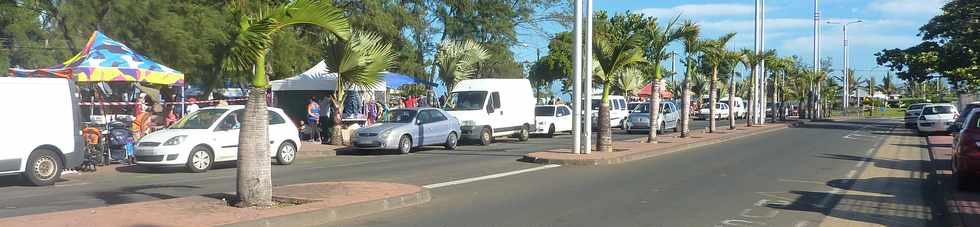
396	80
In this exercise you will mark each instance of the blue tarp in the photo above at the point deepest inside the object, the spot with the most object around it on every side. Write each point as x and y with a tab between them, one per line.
396	80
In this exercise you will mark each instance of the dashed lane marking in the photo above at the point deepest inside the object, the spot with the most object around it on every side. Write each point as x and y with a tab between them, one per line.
487	177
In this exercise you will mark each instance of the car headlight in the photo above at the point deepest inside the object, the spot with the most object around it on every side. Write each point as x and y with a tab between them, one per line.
468	123
384	134
175	140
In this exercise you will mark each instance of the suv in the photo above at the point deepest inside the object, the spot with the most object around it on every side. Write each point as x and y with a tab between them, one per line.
912	113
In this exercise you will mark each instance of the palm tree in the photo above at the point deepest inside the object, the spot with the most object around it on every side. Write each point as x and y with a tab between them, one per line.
618	46
692	46
732	58
358	64
752	60
656	49
714	55
248	51
887	85
631	80
458	61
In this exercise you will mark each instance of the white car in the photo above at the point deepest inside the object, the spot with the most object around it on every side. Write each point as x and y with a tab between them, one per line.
210	135
639	119
617	111
721	111
552	119
936	118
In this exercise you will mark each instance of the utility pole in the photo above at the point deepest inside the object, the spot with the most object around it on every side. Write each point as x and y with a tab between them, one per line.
577	84
758	68
816	39
844	24
588	78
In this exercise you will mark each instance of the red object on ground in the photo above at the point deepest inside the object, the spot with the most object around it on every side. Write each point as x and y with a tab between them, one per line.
664	93
964	206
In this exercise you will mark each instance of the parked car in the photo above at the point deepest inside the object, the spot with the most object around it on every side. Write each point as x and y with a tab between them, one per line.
42	129
912	113
405	129
632	106
966	149
488	108
617	111
936	118
721	111
739	106
210	135
966	110
552	119
639	119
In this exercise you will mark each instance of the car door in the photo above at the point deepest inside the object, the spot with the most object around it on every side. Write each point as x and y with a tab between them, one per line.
671	115
226	136
278	131
439	124
563	121
496	114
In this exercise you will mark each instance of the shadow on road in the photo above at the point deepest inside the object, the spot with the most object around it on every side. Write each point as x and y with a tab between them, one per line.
127	194
881	163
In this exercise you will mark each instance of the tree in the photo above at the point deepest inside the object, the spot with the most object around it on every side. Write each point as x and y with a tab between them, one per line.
632	80
358	64
752	60
732	58
714	55
888	84
617	47
693	46
248	51
458	61
656	52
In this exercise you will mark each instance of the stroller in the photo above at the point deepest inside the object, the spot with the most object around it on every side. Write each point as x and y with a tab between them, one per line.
120	142
94	149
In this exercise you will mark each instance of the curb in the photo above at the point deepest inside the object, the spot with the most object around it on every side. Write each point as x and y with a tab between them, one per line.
323	216
650	153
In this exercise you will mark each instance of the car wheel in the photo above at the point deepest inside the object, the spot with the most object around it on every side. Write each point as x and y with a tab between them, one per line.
628	129
405	144
525	134
485	136
43	167
286	153
675	127
451	141
200	160
551	131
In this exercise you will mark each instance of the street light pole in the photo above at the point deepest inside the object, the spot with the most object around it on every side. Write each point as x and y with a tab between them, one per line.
588	78
816	38
844	25
577	85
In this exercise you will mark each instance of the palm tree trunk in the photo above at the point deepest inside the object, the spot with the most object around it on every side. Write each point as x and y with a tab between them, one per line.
338	108
604	143
751	108
731	101
686	99
654	108
254	172
714	99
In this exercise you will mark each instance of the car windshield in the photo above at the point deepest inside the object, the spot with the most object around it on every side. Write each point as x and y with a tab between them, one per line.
399	116
466	100
202	119
544	111
642	108
937	110
632	106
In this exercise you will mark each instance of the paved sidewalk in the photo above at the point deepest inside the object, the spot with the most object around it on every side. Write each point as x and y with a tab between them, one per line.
321	203
963	206
890	189
636	149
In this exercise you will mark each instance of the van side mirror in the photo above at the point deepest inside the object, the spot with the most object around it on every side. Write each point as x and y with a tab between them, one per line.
489	108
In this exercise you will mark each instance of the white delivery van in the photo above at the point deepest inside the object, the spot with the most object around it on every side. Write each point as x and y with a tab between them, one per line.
738	107
488	108
618	111
41	128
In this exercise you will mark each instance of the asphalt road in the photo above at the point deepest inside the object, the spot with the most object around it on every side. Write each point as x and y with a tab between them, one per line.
134	184
785	178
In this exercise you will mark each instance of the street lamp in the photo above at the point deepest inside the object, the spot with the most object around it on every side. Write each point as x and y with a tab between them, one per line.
844	24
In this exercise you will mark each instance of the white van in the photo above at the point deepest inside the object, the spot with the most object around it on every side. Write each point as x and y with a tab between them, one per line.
618	110
488	108
739	106
41	128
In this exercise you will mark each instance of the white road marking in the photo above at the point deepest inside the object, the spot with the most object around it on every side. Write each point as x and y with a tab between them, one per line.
860	164
487	177
802	224
850	174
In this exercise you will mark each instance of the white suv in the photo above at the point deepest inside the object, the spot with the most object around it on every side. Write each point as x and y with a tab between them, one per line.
210	135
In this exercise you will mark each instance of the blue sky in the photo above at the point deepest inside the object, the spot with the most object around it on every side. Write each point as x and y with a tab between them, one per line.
789	26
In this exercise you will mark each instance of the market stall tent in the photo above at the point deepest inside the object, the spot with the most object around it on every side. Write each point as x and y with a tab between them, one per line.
646	91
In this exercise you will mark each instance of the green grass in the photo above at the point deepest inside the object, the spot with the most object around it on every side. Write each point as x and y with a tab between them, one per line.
889	113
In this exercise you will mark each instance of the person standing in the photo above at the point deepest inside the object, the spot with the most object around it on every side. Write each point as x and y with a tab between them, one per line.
313	117
192	105
326	120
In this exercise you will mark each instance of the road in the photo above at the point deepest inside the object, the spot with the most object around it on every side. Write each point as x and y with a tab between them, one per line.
790	178
134	184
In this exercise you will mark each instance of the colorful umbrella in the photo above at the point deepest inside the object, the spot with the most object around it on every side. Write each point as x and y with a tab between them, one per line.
105	59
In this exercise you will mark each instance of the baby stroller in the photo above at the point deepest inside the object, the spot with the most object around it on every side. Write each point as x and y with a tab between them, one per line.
120	142
94	149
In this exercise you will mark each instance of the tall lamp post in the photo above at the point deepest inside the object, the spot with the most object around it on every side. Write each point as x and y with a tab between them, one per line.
844	25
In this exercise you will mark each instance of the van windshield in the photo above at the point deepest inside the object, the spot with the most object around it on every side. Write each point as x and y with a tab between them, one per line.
466	100
201	119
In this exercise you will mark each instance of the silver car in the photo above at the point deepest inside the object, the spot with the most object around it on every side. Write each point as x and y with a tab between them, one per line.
404	129
639	118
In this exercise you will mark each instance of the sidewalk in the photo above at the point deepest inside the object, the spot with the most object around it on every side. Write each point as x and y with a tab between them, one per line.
306	205
636	149
963	206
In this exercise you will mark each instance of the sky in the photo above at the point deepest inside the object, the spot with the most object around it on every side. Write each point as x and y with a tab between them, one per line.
789	26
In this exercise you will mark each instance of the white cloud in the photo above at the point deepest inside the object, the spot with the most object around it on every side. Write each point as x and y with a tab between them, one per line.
905	8
695	10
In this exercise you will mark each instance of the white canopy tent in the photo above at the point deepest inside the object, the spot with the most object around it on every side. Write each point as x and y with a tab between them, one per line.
317	78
